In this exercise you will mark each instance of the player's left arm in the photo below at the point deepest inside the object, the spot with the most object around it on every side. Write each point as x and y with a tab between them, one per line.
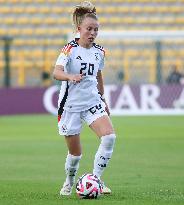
100	87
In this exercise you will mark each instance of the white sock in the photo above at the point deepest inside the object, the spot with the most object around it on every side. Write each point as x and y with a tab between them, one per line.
71	168
103	154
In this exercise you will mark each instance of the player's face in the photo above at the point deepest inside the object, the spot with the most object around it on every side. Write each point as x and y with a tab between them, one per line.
88	30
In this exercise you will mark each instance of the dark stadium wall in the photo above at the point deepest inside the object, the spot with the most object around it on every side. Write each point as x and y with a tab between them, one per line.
144	99
22	101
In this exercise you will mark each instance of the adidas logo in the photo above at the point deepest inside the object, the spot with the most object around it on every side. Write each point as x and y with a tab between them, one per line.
79	58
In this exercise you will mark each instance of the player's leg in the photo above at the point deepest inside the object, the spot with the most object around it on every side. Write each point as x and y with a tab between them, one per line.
103	128
100	123
73	157
70	125
72	163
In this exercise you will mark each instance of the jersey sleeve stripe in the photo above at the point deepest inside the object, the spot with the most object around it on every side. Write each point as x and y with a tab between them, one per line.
64	90
66	49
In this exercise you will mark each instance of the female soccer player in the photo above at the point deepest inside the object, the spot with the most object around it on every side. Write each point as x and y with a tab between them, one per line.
82	96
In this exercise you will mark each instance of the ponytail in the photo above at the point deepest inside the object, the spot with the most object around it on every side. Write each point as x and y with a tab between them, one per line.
85	9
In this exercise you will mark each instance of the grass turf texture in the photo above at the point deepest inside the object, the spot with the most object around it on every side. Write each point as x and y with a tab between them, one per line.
147	166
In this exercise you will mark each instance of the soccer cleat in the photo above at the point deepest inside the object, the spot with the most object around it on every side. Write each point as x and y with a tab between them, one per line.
105	190
66	190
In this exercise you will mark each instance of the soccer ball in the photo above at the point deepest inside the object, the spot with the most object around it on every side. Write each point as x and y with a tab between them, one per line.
88	187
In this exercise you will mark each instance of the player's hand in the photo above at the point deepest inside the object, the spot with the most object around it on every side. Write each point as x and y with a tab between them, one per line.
76	78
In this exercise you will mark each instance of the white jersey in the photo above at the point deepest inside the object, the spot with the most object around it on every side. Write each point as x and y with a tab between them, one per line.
77	97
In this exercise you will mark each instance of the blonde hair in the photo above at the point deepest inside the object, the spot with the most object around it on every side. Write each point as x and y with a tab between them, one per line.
85	9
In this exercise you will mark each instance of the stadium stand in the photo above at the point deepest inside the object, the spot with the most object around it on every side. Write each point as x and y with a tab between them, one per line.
40	28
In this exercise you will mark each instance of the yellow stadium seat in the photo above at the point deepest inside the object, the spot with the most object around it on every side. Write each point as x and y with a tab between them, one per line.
50	20
14	32
17	9
136	9
44	10
123	9
9	20
47	23
108	9
63	20
167	20
43	1
1	67
179	20
23	20
176	9
3	32
36	20
5	9
19	42
40	31
27	31
13	1
57	42
149	9
58	10
31	9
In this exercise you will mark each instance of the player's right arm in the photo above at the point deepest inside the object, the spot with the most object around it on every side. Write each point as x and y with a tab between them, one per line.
59	71
59	74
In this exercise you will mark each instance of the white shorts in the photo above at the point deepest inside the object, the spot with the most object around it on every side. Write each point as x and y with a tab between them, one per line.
71	122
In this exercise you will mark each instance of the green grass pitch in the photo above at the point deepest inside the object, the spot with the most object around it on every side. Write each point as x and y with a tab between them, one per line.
147	166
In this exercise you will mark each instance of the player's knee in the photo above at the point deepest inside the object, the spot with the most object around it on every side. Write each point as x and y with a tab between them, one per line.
107	131
108	141
75	159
